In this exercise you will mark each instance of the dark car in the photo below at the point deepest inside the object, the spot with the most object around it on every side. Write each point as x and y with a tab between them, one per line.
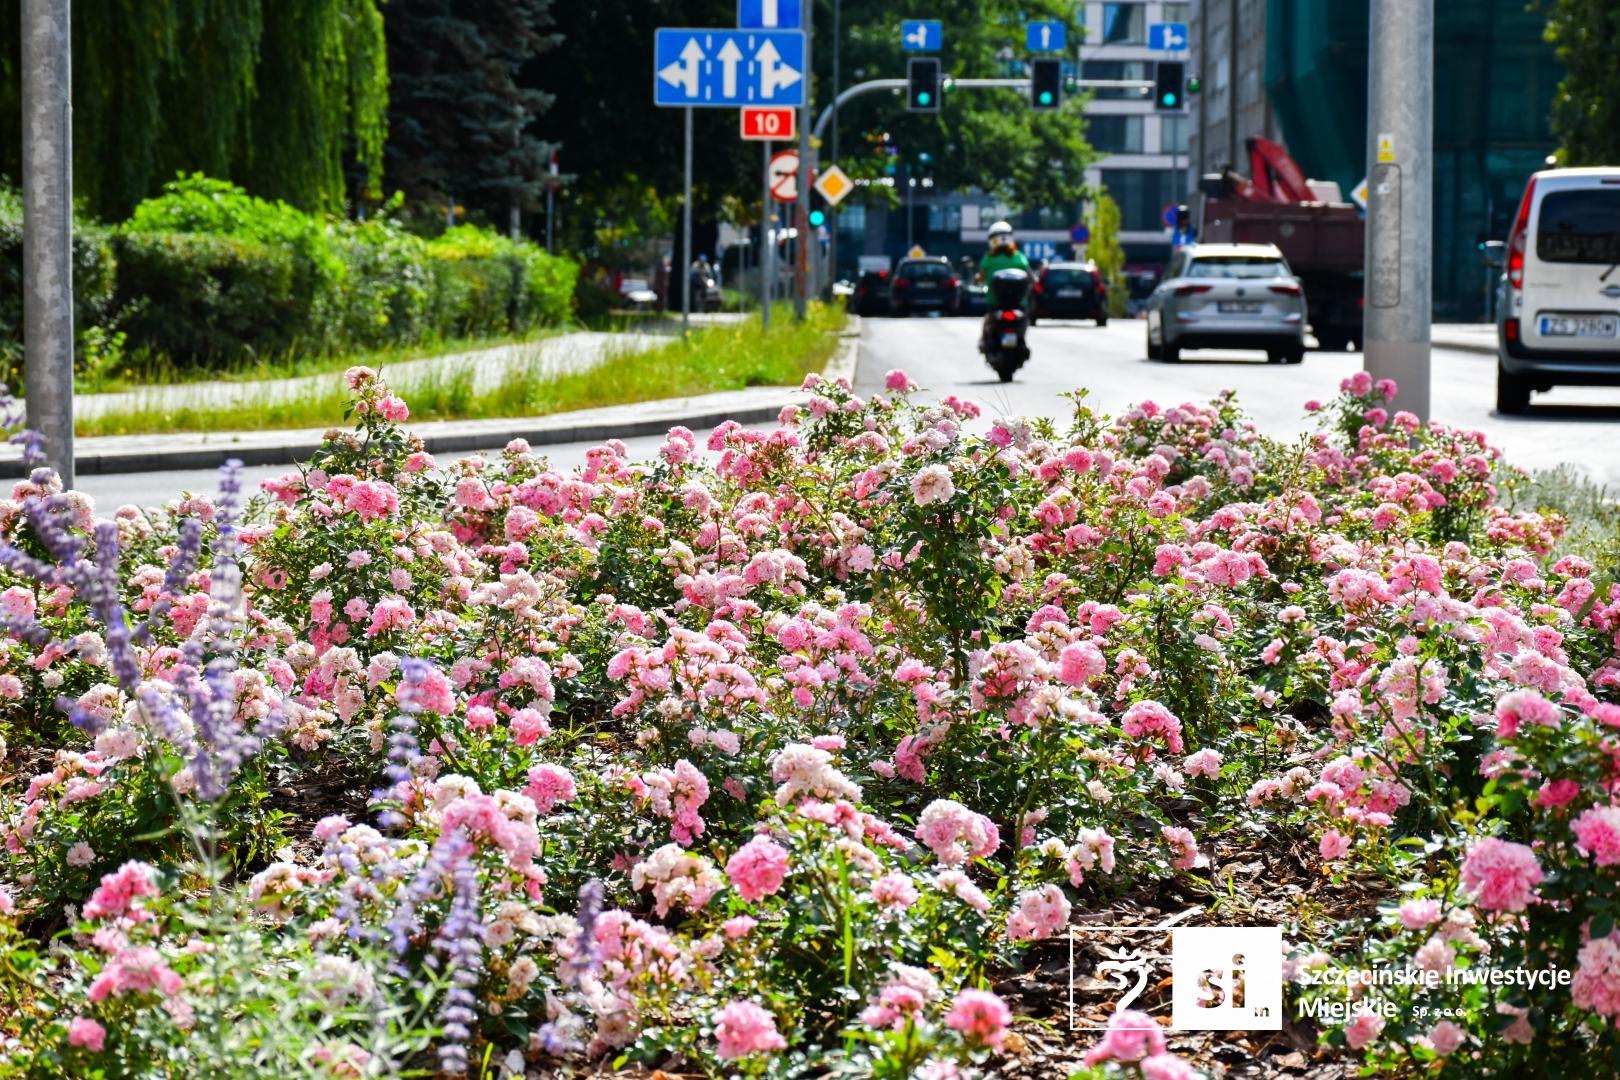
926	284
871	296
1071	290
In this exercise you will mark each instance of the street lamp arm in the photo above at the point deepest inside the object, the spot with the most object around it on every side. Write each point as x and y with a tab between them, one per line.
871	86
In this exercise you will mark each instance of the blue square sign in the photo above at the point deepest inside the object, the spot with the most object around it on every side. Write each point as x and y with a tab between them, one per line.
1045	36
922	35
770	14
1168	36
715	69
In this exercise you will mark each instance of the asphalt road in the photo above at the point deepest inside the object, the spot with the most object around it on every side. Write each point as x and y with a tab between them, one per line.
1578	425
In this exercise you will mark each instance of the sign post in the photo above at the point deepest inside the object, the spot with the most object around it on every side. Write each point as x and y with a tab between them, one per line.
767	254
686	234
1400	170
47	166
807	247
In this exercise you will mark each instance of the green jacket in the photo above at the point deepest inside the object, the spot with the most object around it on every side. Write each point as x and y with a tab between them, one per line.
994	261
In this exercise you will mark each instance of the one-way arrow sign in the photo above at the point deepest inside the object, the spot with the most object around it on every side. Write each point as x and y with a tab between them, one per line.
1168	37
710	68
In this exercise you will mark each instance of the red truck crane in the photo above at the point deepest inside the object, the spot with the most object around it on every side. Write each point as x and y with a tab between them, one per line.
1323	239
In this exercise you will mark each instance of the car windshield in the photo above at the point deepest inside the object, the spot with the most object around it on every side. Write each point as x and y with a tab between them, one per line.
926	271
1580	227
1237	266
1063	279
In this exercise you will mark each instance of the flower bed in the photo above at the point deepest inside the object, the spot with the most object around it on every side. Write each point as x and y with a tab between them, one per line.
778	753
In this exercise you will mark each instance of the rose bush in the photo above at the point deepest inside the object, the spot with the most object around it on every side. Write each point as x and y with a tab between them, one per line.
779	749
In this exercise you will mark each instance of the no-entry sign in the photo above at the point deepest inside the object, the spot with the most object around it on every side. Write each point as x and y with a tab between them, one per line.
768	125
785	176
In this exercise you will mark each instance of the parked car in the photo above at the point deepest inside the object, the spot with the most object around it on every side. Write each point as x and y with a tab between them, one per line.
637	294
1227	296
1071	290
1559	320
923	284
871	293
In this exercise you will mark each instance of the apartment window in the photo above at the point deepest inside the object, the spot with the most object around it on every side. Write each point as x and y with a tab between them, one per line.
945	218
1173	135
1142	195
1124	24
1176	12
1117	69
1115	134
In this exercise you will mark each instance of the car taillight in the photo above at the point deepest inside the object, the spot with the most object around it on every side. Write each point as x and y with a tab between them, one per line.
902	283
883	275
1519	237
1011	316
1510	329
1190	290
1287	290
952	282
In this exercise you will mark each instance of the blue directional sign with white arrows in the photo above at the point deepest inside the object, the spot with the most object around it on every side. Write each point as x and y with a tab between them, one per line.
922	35
717	69
1044	36
770	14
1168	36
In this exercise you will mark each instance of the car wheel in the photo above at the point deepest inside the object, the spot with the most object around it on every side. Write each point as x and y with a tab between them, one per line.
1171	353
1512	392
1102	320
1152	349
1296	355
1275	356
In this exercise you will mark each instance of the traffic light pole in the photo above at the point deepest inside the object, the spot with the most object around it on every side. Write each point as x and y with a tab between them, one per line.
47	166
1400	176
803	265
873	86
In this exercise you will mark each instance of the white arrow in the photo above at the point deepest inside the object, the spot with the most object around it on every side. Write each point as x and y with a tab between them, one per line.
688	71
918	37
1046	37
729	56
773	74
770	14
1177	41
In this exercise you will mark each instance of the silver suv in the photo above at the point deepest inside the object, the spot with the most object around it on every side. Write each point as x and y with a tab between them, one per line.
1227	296
1559	320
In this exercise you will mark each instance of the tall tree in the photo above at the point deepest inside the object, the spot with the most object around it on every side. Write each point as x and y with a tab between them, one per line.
1105	249
461	126
1586	112
276	96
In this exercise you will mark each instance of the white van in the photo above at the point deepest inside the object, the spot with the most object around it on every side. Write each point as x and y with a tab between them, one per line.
1559	322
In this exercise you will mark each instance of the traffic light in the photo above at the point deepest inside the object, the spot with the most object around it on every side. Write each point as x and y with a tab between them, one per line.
1045	84
817	219
922	73
1169	84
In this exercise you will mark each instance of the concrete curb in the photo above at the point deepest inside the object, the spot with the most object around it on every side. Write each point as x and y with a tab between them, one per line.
158	453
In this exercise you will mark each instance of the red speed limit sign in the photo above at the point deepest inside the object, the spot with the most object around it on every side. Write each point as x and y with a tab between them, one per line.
767	125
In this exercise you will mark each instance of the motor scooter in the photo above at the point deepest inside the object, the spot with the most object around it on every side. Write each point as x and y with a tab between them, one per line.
1004	339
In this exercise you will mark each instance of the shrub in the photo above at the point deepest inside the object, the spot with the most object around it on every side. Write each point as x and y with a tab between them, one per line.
94	271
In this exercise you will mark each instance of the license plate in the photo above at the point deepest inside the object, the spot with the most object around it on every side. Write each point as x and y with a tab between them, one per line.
1238	307
1598	326
1070	294
1009	341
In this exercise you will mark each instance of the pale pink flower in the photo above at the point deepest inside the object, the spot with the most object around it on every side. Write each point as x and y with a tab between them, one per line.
980	1016
758	868
1597	834
86	1034
1130	1036
743	1028
1502	875
1363	1028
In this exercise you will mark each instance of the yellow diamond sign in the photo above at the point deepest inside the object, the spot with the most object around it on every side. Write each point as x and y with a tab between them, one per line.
834	185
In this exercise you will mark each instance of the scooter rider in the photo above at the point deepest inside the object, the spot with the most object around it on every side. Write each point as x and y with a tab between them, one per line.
1003	255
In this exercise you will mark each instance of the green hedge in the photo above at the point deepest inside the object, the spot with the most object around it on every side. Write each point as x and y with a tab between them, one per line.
93	286
205	276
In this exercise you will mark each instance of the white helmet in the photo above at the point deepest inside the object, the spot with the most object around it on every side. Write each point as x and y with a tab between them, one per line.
1000	228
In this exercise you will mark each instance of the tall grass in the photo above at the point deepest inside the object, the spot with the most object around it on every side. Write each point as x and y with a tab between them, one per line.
732	356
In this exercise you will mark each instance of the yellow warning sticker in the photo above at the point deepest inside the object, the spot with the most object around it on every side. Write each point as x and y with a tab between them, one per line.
1386	148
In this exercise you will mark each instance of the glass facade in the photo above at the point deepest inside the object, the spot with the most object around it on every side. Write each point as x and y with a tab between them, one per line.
1142	195
1124	24
1116	69
1115	134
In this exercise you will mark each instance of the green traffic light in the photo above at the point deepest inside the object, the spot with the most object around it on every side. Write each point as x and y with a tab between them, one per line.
1169	101
817	218
1046	97
924	97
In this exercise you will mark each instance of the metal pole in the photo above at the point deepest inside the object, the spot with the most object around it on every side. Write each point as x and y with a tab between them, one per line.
767	242
807	244
1400	235
686	233
551	195
47	165
832	212
911	209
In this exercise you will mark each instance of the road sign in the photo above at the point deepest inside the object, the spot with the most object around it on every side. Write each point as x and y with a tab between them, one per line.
1359	194
1040	249
1168	36
770	14
760	124
1080	234
1169	216
785	176
922	35
1044	36
834	185
727	68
